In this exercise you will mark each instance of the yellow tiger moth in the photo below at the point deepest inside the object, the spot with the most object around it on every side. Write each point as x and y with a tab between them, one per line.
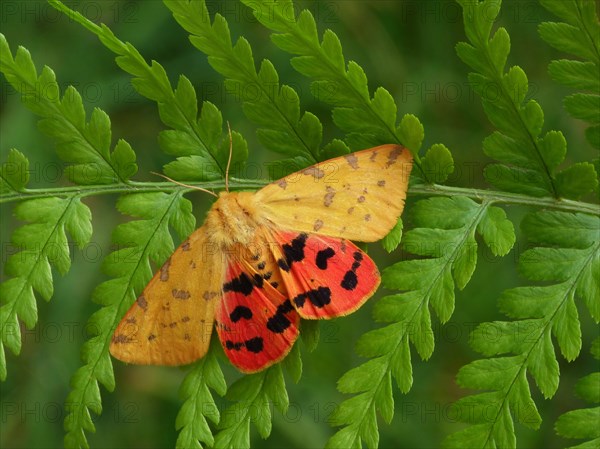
262	260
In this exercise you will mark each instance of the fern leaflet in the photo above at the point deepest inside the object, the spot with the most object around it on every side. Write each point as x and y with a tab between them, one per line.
528	160
582	423
445	235
580	36
275	108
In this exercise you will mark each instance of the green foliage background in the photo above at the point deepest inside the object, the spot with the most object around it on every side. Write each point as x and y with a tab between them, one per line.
408	48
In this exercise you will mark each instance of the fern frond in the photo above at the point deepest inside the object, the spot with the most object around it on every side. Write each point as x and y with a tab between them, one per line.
198	142
254	396
580	36
366	121
570	258
529	160
41	244
84	146
583	423
273	107
445	235
199	403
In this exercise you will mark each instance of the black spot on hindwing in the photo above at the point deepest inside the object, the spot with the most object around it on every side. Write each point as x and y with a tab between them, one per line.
240	312
258	280
254	344
283	265
318	297
241	284
293	252
231	345
322	257
350	280
278	323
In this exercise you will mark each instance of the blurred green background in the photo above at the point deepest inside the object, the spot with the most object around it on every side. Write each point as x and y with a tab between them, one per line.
405	46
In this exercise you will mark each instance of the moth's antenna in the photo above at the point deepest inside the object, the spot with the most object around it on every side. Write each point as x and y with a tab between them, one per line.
229	159
185	185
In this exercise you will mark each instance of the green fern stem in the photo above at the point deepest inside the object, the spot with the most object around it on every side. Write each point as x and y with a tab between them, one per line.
491	196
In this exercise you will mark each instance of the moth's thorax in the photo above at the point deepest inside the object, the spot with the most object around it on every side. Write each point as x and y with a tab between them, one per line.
233	219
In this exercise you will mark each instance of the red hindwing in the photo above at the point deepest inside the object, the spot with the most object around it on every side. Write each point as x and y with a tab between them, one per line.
257	324
325	277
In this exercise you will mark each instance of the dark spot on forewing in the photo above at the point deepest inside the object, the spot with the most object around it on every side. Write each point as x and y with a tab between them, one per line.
393	157
180	294
164	271
315	172
141	301
209	295
185	246
352	160
121	338
318	225
328	198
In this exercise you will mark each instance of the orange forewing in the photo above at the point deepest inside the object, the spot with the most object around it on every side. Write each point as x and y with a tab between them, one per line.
172	320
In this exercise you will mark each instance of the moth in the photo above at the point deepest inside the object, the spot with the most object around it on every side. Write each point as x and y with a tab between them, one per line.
263	260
